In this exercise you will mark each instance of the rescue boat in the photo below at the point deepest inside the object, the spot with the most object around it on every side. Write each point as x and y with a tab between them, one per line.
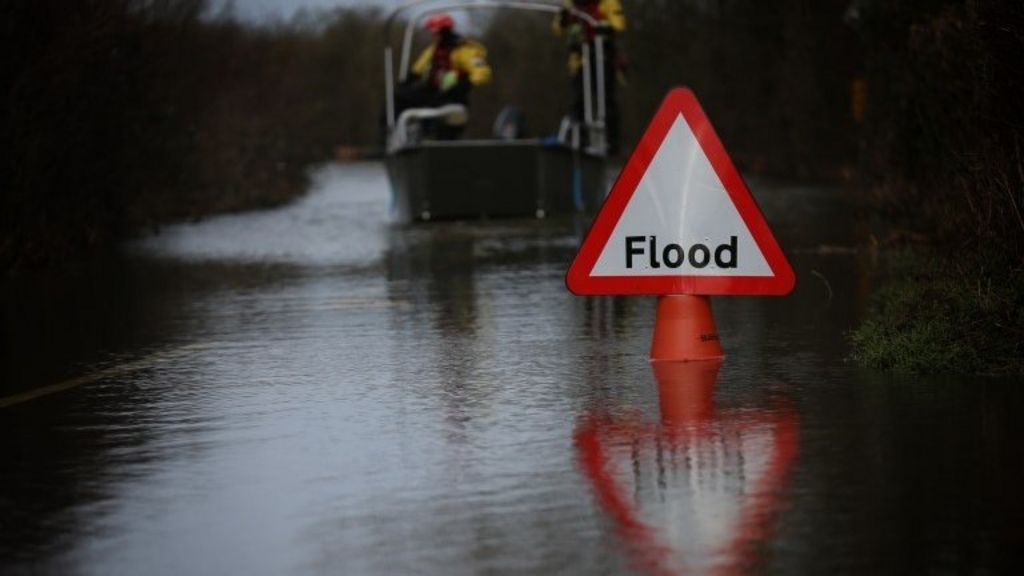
503	176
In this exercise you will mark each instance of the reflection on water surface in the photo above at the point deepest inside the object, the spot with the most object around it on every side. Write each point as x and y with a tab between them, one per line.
310	390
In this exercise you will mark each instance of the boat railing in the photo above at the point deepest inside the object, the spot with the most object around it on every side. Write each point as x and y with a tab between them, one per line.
594	112
400	137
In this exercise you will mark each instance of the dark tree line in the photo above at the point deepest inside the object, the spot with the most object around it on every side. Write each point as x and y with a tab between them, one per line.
942	142
122	114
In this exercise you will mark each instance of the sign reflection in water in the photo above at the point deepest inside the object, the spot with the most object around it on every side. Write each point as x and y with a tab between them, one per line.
700	491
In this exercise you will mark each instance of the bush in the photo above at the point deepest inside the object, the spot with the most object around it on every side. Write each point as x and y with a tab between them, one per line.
937	315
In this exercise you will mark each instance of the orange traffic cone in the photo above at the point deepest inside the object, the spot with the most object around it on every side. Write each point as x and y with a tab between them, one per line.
685	330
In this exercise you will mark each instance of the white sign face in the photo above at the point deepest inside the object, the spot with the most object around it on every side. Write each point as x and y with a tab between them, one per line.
681	220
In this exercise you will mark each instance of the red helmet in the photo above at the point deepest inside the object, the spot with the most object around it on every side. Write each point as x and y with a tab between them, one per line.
439	22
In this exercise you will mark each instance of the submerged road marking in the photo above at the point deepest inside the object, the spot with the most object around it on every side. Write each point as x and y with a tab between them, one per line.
357	304
176	353
114	371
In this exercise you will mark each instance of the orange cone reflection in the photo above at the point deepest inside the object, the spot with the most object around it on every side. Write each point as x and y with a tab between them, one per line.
700	491
686	391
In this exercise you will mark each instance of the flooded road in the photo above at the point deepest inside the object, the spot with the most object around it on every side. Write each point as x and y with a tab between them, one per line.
308	390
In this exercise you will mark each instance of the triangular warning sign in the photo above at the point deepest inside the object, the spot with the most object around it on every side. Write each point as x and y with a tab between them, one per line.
680	219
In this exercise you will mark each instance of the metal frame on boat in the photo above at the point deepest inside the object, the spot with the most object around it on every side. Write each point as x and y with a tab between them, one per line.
452	179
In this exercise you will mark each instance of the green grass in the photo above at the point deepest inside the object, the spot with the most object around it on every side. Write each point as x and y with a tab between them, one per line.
941	314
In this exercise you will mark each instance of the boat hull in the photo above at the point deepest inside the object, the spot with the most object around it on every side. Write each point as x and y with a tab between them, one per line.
493	179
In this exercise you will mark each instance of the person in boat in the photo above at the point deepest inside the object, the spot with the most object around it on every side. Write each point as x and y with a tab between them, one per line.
445	73
610	22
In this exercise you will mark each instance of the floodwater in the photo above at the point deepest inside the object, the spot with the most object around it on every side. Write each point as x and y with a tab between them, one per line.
309	390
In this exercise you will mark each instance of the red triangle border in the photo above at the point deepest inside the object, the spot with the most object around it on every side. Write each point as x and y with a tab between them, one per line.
679	101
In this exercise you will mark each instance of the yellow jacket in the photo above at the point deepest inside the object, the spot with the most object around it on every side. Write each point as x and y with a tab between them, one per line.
468	58
609	12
